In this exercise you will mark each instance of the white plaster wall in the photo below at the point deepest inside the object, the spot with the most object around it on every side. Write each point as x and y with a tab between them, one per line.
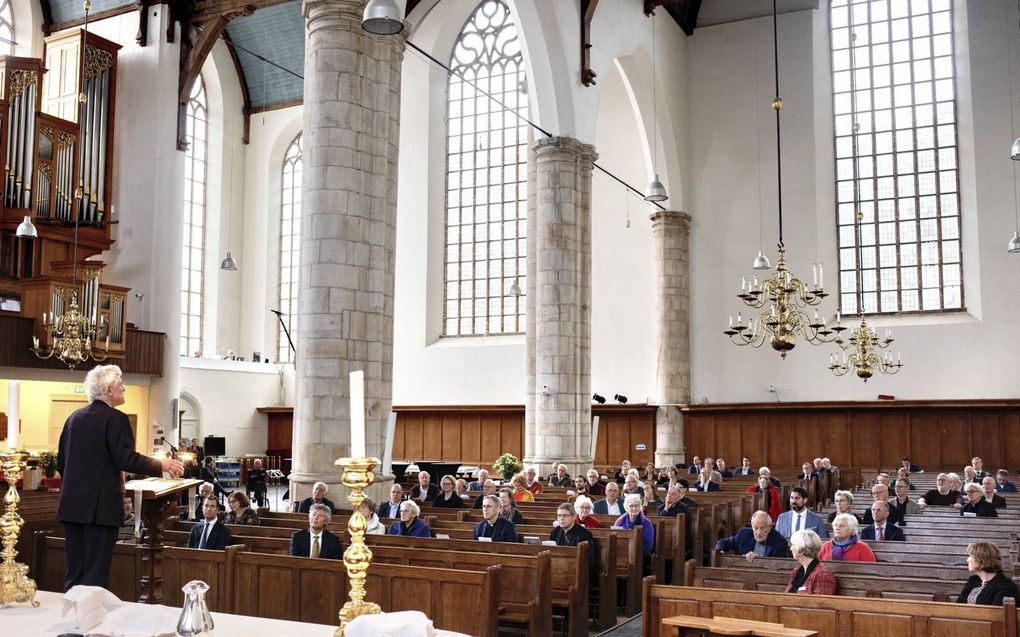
962	355
27	17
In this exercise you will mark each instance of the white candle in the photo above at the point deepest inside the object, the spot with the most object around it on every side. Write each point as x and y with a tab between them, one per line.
814	274
13	414
837	317
35	342
821	276
358	414
731	320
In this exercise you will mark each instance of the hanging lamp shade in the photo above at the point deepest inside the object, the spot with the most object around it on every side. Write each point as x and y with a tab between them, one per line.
228	262
1014	152
655	191
27	229
761	262
515	288
382	17
1014	243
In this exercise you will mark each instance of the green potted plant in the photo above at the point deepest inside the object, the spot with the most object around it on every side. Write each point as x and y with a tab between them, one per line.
48	460
507	465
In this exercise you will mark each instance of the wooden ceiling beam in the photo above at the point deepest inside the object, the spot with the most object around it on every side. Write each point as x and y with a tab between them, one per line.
205	10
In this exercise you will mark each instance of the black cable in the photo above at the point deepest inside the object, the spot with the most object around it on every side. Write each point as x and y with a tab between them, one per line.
237	46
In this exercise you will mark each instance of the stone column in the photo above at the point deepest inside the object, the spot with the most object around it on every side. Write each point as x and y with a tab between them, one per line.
558	405
348	236
671	235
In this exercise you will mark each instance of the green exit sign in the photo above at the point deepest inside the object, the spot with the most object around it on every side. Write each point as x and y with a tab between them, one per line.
79	389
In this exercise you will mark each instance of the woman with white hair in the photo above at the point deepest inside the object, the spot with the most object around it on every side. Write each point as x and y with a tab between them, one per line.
810	578
845	544
583	507
635	517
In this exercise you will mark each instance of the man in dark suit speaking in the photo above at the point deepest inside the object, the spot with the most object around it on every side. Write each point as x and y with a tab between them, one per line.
316	541
210	533
95	446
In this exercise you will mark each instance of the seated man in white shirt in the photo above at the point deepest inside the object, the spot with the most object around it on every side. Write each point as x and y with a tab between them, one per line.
611	505
316	541
390	510
210	533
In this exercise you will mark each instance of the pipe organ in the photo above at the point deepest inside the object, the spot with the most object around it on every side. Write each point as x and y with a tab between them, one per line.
56	147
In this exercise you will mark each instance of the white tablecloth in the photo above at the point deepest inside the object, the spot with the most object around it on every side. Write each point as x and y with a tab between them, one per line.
47	621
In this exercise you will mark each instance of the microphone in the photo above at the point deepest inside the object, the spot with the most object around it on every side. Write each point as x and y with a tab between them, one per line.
277	312
167	442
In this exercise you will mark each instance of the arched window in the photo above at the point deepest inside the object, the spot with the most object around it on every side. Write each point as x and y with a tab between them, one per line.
193	245
486	178
290	243
893	76
6	28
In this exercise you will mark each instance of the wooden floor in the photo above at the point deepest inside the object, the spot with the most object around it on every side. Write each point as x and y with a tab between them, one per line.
629	628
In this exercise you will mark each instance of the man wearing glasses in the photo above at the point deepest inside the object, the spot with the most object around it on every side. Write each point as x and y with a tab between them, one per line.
568	533
492	526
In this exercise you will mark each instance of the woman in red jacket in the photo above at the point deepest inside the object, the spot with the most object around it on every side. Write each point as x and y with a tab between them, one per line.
810	578
845	545
771	503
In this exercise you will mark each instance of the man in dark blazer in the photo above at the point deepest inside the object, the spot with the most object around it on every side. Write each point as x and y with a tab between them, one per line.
761	540
95	446
705	481
569	533
424	491
210	533
492	526
882	530
390	510
316	541
318	496
612	504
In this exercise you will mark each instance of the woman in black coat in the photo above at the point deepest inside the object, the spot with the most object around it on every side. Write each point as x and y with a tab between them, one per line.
989	585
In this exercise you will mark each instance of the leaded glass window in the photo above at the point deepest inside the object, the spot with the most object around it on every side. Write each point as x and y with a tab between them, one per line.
290	243
893	75
6	28
193	245
486	178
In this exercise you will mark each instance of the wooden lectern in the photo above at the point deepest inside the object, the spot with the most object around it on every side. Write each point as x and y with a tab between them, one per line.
159	497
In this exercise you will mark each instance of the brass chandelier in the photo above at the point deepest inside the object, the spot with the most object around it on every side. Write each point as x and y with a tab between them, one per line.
72	331
781	297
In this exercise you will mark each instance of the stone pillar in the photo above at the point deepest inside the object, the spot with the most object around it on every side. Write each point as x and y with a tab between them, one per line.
558	405
348	237
671	234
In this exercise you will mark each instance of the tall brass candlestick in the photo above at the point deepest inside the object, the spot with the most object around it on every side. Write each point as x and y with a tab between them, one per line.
15	586
357	558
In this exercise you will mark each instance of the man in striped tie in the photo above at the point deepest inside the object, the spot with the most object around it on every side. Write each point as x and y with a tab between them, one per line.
210	533
316	541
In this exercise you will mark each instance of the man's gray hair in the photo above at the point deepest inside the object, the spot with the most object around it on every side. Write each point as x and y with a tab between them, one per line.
99	379
324	486
321	507
758	515
491	499
412	505
567	507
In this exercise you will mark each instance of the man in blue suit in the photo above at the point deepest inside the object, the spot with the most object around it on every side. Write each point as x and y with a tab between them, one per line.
882	530
492	526
316	541
799	517
705	481
761	540
210	533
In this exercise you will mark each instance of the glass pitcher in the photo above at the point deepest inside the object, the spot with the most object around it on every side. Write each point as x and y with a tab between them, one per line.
195	617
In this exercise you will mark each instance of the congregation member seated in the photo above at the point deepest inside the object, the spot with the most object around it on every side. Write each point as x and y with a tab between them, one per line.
390	510
705	480
631	484
799	517
1002	483
903	502
410	523
880	492
580	486
979	468
583	505
844	500
912	468
460	488
369	510
969	475
521	492
508	507
881	528
672	505
941	495
635	517
988	586
448	498
204	491
318	496
210	533
695	467
828	466
720	466
818	467
976	504
766	472
988	487
210	475
956	484
531	482
479	483
811	577
566	532
650	495
424	491
611	505
621	473
651	474
760	540
745	468
883	479
256	483
770	496
903	474
560	478
316	541
716	476
846	544
668	478
489	488
595	485
492	526
806	471
240	510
